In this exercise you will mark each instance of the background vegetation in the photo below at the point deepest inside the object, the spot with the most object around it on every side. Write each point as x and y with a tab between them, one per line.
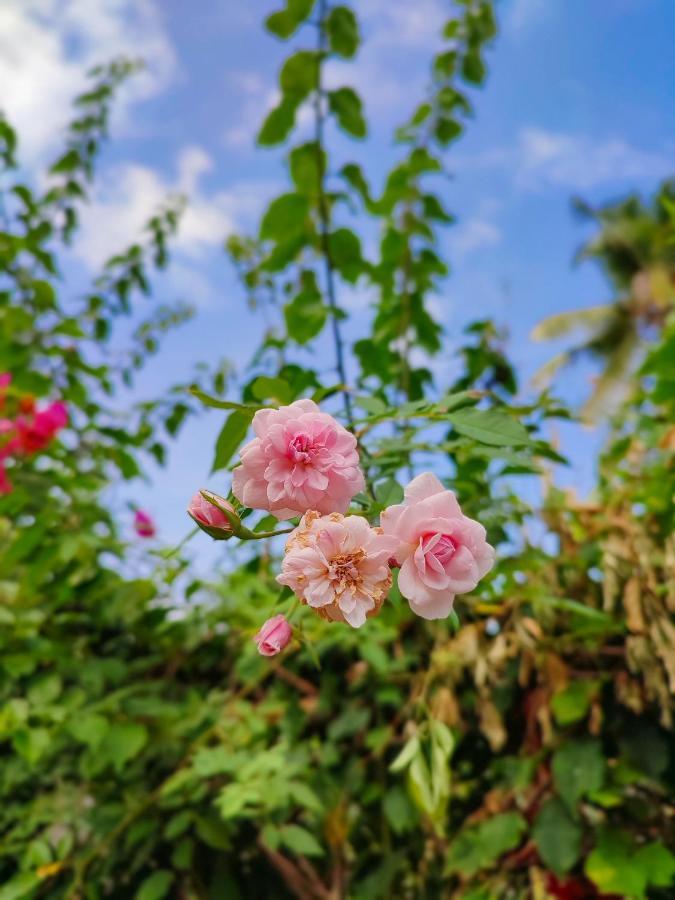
523	749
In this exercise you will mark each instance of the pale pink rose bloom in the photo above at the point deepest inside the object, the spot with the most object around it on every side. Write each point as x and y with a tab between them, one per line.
441	552
208	516
300	459
339	566
273	636
144	525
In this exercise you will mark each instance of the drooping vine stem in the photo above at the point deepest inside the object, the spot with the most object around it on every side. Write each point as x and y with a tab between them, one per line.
324	219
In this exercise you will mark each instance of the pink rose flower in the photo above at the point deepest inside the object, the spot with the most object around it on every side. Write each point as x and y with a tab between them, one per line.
300	459
144	525
273	636
338	565
441	552
209	518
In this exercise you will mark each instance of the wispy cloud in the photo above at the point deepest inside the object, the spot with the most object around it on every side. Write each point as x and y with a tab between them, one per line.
540	158
523	15
472	235
46	48
126	195
579	161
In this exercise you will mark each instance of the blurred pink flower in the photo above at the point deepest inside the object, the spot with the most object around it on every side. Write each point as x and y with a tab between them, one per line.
273	636
300	459
209	517
144	525
338	565
35	432
441	552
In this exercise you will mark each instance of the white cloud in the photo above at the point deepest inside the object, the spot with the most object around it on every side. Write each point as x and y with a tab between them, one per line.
125	196
526	14
577	161
472	235
399	23
46	48
539	158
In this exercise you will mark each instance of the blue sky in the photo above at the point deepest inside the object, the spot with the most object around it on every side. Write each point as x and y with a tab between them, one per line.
579	101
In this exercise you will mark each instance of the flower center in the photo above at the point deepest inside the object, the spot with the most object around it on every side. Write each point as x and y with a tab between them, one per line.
438	548
301	449
343	570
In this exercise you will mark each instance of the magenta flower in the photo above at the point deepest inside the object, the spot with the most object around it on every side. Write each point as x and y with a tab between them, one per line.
35	432
144	525
300	459
275	634
441	551
209	518
338	565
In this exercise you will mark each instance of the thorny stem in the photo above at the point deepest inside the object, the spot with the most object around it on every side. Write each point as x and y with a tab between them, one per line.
324	222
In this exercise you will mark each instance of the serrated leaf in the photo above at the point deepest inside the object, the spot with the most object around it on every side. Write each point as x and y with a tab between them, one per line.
557	836
578	767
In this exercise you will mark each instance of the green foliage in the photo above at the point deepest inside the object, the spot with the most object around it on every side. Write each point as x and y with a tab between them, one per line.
149	750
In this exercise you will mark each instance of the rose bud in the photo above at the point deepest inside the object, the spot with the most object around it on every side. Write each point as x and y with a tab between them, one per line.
275	634
144	526
210	517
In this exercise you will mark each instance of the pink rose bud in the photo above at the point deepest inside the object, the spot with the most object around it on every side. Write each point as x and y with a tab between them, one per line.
275	634
144	526
209	518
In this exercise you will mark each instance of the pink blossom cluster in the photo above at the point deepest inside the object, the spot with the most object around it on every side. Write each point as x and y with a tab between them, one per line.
302	462
29	431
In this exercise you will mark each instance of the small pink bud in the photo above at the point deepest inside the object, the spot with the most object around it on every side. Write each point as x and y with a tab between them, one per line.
209	518
273	636
144	526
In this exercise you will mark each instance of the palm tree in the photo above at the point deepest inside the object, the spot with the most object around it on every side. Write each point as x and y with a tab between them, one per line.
635	247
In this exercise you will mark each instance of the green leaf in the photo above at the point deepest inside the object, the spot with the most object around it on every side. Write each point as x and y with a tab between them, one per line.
285	218
155	886
308	165
66	163
279	123
300	841
306	314
285	22
578	767
490	426
480	846
611	866
217	403
123	741
265	388
573	702
557	836
345	253
407	754
299	75
658	862
231	435
343	31
31	743
345	104
89	728
388	492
